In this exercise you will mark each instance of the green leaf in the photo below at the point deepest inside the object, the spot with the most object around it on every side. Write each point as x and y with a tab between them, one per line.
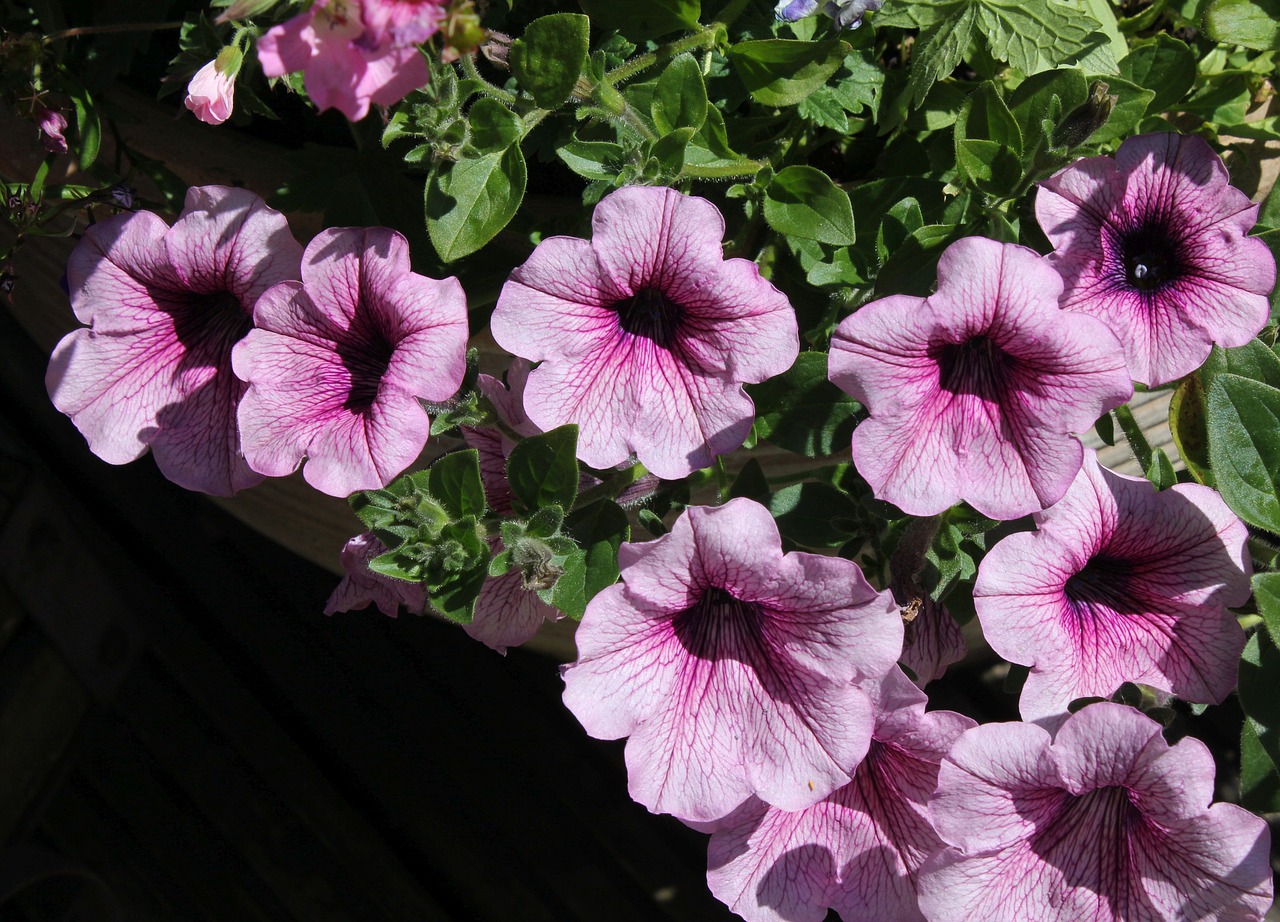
600	529
751	482
802	411
543	470
456	597
1106	428
1252	23
990	166
1259	676
1160	470
494	127
781	72
1050	95
644	20
1187	423
1254	360
804	202
1035	35
985	116
550	57
1266	593
1244	447
940	49
455	483
680	97
1132	103
594	160
815	514
469	201
1164	65
1259	782
88	126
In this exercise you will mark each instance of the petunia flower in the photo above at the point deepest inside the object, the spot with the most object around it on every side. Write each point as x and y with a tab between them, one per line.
165	307
52	126
1106	822
341	70
338	362
975	391
400	23
1119	583
847	14
211	92
732	666
362	587
932	641
1153	242
858	850
645	333
507	613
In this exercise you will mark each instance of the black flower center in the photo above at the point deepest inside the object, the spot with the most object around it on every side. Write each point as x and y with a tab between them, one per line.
207	324
650	314
366	355
977	366
1106	582
1151	256
719	626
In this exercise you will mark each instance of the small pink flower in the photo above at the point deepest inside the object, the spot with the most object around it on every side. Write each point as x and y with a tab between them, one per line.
52	125
166	305
401	23
340	72
645	333
338	362
1119	583
858	850
732	667
362	587
211	94
1105	823
975	391
1153	243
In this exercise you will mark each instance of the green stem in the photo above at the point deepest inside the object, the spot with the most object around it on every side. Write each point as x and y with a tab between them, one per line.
745	168
487	88
1133	433
706	38
732	11
722	478
107	30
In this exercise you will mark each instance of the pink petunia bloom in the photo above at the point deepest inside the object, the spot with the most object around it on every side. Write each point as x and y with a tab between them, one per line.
732	666
401	23
341	72
362	587
645	333
211	94
932	641
975	391
52	125
165	307
1154	243
1119	583
338	362
507	614
858	850
1104	823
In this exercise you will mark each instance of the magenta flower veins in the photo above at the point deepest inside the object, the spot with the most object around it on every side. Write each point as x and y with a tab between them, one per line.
1153	242
165	305
974	391
1119	584
645	333
1105	823
732	666
858	850
338	361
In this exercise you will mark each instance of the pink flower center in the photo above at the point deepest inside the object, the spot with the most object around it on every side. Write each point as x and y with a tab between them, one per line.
977	366
341	18
1150	256
1093	829
1103	582
719	626
650	314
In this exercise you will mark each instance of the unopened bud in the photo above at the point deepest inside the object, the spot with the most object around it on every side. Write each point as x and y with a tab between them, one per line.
1087	118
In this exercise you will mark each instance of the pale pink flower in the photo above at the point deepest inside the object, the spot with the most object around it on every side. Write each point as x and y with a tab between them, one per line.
858	850
1119	583
1105	823
338	362
166	305
731	666
975	391
645	333
211	94
362	587
1153	243
341	72
401	23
